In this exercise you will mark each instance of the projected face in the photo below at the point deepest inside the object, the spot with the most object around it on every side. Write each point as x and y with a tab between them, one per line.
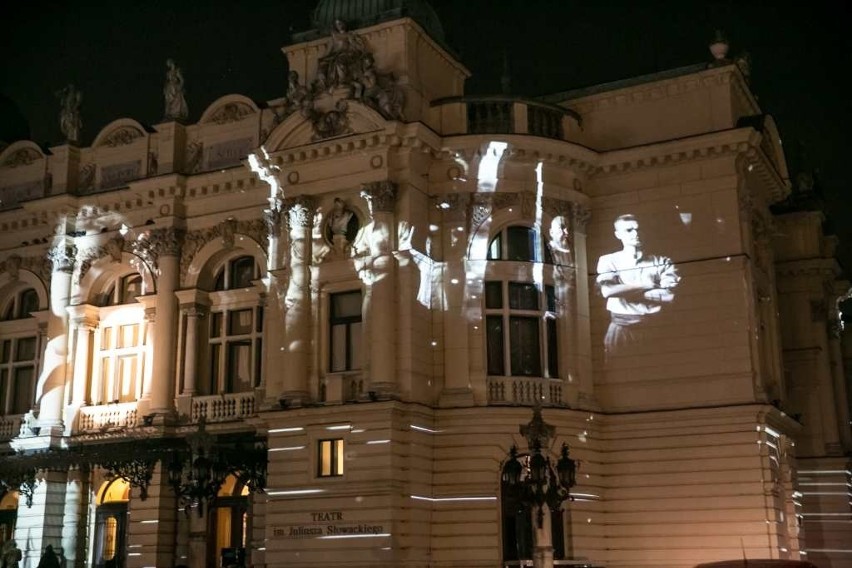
636	285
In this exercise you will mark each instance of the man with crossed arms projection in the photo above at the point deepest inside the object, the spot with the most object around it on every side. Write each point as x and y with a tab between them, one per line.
636	285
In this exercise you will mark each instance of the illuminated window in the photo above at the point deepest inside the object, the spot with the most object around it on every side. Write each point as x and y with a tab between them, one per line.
119	352
20	306
519	243
330	458
235	329
17	374
229	523
111	523
122	291
520	329
237	273
345	331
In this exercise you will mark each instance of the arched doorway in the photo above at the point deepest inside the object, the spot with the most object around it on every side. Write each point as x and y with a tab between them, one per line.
111	524
8	515
229	524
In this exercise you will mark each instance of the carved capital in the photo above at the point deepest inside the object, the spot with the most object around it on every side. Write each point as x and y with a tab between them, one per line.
158	242
455	206
193	311
300	211
580	215
380	196
150	315
272	220
62	257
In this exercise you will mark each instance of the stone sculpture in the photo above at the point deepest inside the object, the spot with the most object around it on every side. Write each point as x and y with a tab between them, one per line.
69	114
173	92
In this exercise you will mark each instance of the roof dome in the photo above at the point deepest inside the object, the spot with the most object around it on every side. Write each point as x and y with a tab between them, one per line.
362	13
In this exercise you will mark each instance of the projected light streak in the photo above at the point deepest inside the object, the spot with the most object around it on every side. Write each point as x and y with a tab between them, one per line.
340	536
294	492
489	165
424	429
287	449
451	499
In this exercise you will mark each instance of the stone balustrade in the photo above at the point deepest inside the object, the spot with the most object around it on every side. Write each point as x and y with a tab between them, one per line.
525	391
223	407
107	417
10	426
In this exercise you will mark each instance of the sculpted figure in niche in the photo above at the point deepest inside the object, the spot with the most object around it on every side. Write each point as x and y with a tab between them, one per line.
636	286
69	114
340	226
173	93
336	68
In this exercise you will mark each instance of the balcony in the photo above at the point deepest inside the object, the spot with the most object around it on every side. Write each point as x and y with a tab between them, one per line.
10	426
523	391
107	417
223	407
505	115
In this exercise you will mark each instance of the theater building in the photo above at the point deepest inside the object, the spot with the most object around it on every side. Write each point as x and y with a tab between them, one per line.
306	332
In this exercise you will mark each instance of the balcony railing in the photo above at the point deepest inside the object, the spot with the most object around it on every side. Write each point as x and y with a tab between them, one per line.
10	426
107	417
525	391
223	407
505	115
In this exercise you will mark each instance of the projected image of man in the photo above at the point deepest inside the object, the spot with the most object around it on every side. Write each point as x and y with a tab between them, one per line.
636	286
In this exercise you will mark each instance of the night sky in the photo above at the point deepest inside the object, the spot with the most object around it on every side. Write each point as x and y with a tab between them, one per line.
115	53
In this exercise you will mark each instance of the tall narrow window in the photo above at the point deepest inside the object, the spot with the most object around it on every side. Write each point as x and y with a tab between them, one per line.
345	331
519	243
17	374
235	329
330	458
520	328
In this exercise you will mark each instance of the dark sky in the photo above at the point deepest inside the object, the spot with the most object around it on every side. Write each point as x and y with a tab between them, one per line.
115	53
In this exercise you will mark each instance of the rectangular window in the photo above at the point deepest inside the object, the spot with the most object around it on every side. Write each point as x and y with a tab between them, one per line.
494	335
239	366
345	331
239	322
552	349
493	295
216	324
521	244
523	296
525	351
24	387
4	391
330	458
26	349
215	353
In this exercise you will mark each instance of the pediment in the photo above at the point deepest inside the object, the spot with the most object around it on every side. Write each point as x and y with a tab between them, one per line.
335	121
119	132
22	153
228	109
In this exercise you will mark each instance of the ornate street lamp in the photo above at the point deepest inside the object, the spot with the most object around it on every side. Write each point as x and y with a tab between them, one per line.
536	481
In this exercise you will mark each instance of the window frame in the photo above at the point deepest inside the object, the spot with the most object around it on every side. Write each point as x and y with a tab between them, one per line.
336	459
348	321
500	243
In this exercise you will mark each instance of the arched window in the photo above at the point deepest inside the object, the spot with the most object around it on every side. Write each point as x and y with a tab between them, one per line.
111	524
229	524
519	243
119	353
21	305
235	329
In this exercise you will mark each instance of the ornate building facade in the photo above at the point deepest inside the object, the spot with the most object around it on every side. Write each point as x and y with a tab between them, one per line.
305	333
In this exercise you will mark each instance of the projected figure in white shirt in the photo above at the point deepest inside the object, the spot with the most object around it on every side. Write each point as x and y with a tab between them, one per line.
636	285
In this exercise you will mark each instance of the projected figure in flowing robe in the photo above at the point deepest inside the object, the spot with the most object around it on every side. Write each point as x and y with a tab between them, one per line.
636	286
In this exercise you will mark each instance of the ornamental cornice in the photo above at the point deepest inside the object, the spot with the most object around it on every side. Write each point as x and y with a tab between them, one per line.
524	149
826	268
40	265
356	143
482	205
653	91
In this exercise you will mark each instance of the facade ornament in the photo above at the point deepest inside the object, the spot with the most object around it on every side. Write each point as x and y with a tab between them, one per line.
86	181
69	114
153	164
480	210
114	247
719	48
23	157
231	112
173	92
344	55
298	96
380	196
580	215
228	227
455	206
341	227
272	220
62	257
194	241
379	91
331	123
152	245
122	137
300	211
13	265
194	152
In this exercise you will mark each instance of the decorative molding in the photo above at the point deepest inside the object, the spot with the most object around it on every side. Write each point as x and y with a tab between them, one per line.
122	137
194	153
62	257
152	245
231	112
194	241
23	157
86	178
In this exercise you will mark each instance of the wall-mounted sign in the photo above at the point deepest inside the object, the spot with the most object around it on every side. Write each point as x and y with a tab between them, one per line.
325	524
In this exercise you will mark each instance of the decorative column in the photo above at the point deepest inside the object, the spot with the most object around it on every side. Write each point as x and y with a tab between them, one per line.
582	322
274	340
51	382
84	319
192	313
165	246
76	507
381	296
457	390
297	321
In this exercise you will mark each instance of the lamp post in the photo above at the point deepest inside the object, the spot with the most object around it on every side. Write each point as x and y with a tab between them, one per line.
537	482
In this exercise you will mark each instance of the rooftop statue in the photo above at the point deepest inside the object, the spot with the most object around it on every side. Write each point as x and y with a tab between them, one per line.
337	68
69	114
173	92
